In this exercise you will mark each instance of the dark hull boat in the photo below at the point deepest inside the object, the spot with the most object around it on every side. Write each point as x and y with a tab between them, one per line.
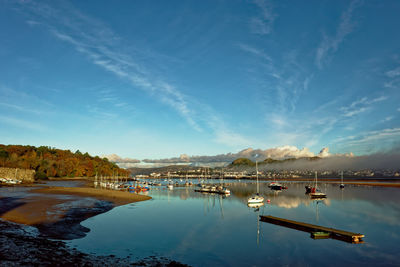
276	186
308	189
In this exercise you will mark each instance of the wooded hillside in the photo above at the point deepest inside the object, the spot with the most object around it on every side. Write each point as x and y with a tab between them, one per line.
52	162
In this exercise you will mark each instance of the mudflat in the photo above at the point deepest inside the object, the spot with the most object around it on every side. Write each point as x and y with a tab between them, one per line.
58	211
117	197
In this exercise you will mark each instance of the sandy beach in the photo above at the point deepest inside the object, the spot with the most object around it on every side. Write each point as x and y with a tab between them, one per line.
114	196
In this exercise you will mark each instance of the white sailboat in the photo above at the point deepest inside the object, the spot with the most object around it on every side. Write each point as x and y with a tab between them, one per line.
256	198
315	193
170	185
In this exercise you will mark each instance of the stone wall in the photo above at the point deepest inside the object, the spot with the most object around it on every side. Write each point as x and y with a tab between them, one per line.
25	175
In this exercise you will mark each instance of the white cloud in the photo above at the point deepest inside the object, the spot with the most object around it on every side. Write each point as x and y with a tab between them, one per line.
228	138
117	159
106	49
371	141
330	45
324	153
387	134
32	22
20	108
354	112
393	73
389	118
103	47
279	121
359	106
282	152
254	51
378	99
24	124
263	23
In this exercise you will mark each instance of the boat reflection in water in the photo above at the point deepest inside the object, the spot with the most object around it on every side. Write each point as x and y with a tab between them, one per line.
256	207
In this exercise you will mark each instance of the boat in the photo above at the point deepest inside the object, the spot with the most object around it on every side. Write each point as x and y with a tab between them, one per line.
256	198
308	189
342	184
275	186
320	235
170	185
315	192
222	189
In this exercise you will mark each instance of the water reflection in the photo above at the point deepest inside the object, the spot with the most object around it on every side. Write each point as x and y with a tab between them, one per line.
207	229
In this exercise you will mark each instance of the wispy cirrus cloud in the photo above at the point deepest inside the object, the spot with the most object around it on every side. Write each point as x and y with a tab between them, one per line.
103	48
393	73
360	106
20	108
289	78
256	52
283	83
393	77
388	134
22	123
370	141
106	49
263	23
388	118
330	44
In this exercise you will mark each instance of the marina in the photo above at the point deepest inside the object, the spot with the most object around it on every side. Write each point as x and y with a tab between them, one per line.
176	222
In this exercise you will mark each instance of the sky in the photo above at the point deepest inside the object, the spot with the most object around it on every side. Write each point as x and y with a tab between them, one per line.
157	79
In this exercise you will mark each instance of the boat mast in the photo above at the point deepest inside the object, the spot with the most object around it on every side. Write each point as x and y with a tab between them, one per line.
258	187
315	180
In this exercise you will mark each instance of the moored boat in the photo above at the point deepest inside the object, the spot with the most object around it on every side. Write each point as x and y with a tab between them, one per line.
256	198
342	184
315	192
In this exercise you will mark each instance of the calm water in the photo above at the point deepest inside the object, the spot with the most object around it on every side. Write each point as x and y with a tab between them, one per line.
209	230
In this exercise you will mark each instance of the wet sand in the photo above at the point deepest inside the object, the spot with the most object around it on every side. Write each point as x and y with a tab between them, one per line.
32	218
117	197
58	211
20	245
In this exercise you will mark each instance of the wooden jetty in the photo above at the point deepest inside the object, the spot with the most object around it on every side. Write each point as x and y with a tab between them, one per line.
312	228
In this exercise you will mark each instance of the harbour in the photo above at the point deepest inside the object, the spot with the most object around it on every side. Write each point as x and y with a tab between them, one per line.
177	222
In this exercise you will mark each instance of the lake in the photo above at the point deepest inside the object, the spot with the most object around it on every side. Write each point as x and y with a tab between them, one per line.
212	230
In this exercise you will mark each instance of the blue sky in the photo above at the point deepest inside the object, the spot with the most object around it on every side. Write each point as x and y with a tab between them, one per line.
156	79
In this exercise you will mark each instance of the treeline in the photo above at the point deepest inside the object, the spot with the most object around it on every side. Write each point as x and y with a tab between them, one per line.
52	162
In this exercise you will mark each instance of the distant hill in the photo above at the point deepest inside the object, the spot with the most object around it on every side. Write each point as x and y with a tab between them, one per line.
52	162
171	168
243	162
240	162
247	162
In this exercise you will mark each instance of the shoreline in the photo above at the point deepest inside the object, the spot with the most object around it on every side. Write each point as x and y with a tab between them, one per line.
58	211
20	245
117	197
30	237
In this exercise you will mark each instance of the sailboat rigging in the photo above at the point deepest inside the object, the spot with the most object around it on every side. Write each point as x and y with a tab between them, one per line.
256	198
315	192
342	184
